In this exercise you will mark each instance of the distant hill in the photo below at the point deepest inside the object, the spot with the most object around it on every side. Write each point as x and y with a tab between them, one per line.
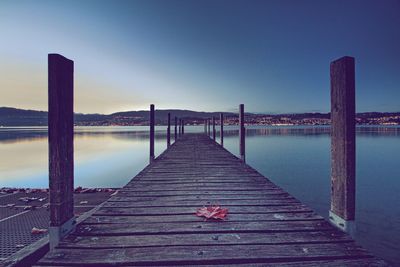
20	117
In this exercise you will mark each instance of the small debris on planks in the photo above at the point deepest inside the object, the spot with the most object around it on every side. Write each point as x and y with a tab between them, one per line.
38	231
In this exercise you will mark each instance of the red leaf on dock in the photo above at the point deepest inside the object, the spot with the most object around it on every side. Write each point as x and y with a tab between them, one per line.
214	212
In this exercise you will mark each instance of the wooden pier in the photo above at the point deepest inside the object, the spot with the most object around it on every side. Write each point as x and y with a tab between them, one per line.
152	222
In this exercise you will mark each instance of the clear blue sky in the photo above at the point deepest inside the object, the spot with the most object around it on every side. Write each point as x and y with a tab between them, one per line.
273	56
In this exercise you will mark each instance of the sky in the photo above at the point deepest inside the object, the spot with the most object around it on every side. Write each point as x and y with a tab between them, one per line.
272	55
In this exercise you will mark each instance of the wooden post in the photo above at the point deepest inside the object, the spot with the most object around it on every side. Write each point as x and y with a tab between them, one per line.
208	125
342	213
180	127
183	126
213	122
176	130
151	133
169	130
61	147
205	126
242	133
221	131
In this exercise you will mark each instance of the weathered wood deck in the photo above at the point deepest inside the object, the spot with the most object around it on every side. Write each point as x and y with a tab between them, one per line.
151	220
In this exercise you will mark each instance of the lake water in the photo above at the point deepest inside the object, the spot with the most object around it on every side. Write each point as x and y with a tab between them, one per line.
295	158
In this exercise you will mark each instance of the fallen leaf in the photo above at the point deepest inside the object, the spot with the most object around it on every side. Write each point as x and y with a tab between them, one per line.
214	212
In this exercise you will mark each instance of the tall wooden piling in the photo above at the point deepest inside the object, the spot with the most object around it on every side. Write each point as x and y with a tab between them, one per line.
176	129
221	130
151	133
208	127
61	146
169	130
213	122
183	126
180	127
205	126
342	212
242	133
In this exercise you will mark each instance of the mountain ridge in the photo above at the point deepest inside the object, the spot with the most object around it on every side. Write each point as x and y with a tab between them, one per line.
10	116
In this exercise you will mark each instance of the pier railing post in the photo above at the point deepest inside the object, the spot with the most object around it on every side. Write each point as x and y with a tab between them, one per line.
342	212
205	126
242	133
61	147
213	122
183	126
180	127
176	129
221	131
208	127
169	130
151	133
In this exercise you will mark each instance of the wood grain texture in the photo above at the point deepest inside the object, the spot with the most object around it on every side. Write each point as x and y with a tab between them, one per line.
61	138
343	138
152	222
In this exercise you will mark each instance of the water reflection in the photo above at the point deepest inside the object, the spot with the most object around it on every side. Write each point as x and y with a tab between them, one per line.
311	130
11	135
15	135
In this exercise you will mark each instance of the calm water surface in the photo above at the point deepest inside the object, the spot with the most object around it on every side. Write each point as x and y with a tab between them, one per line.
295	158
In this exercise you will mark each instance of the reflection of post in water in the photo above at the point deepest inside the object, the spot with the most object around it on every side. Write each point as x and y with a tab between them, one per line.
343	174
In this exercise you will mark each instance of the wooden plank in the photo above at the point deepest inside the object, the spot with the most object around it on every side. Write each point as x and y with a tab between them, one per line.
192	210
200	192
190	180
224	254
202	227
200	203
370	262
233	217
212	198
199	187
76	241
